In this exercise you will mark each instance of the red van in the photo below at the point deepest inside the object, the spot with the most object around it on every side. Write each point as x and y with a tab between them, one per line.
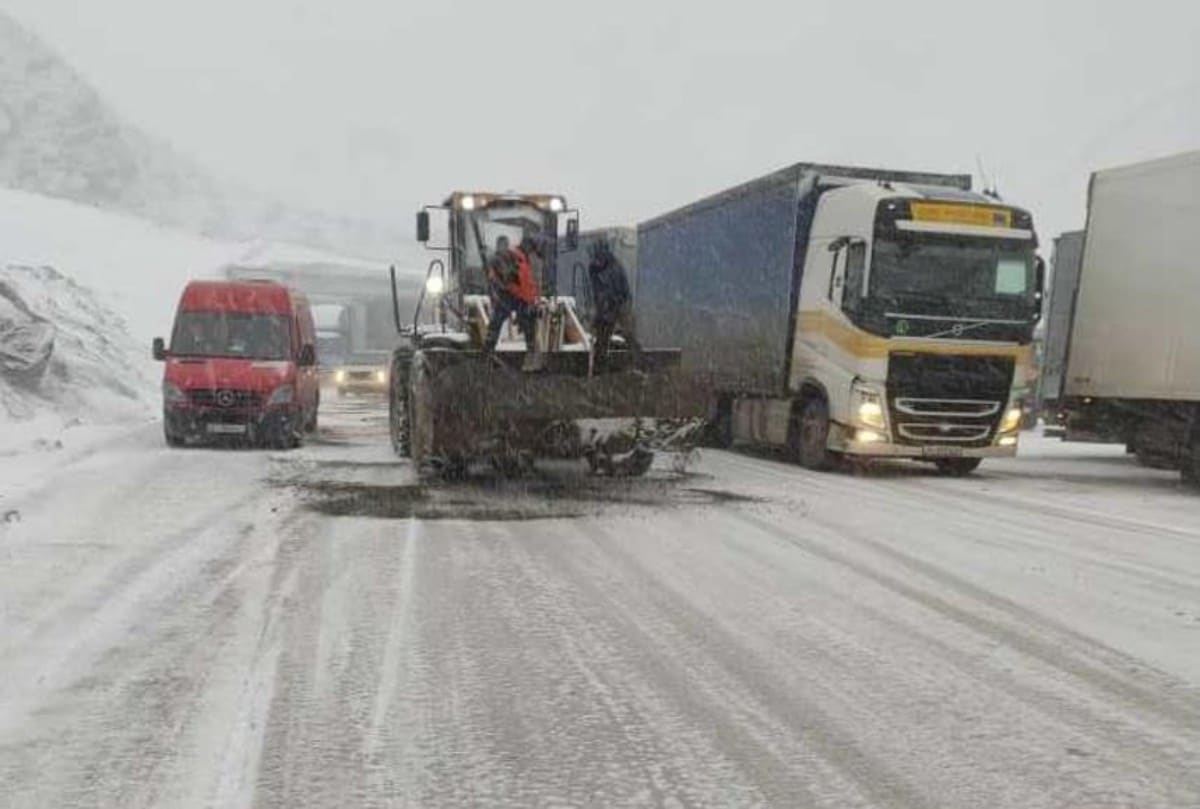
242	364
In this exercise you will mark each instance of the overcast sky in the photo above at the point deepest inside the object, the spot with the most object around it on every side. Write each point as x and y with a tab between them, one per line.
631	108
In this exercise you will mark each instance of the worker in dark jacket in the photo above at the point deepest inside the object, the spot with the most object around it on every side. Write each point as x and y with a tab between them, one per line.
514	291
612	301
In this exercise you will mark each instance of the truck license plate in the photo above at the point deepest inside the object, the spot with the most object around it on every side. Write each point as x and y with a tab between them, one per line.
227	429
942	452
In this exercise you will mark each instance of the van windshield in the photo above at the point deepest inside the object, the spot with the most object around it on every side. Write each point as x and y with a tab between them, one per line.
232	334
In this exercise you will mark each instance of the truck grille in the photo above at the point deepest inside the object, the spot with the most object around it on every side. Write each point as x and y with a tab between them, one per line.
936	399
224	398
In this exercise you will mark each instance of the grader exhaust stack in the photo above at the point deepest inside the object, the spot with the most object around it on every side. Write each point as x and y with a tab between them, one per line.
451	403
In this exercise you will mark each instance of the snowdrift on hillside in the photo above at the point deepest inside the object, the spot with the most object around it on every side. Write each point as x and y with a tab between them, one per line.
26	339
92	373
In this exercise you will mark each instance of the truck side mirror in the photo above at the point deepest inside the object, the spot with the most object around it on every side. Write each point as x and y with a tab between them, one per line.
159	349
572	234
422	226
1039	290
308	356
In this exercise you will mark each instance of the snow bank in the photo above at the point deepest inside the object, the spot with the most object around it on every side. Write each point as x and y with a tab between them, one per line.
94	372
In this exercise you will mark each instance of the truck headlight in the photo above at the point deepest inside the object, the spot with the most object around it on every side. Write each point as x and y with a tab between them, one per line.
172	393
1012	418
282	395
868	407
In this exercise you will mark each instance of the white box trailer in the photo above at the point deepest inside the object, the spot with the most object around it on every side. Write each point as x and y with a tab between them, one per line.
1133	366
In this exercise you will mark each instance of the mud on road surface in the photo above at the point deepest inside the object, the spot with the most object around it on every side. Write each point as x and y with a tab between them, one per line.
331	489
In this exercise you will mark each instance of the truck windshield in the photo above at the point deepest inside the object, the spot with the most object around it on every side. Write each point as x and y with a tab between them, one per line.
482	233
232	334
953	277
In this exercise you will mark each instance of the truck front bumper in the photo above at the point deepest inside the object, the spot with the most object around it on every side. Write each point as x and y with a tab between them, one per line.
842	440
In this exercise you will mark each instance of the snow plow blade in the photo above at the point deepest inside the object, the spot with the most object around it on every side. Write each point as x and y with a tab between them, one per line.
465	405
472	390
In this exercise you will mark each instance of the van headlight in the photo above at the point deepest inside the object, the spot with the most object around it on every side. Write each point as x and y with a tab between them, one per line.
172	394
868	406
282	395
1012	418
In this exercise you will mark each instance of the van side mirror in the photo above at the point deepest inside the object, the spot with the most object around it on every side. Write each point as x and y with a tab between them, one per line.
422	226
572	234
308	356
159	349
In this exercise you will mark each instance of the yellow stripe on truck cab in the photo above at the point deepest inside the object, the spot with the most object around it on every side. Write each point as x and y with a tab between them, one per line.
864	346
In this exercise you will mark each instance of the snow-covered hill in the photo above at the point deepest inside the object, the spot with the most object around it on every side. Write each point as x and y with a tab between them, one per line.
59	138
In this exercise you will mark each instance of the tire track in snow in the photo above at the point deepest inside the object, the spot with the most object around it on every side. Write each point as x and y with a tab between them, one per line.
1183	713
771	715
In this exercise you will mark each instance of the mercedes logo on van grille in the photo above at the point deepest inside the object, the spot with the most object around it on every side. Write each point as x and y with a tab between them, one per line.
226	398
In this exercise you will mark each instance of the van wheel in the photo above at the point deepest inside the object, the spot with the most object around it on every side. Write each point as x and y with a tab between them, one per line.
957	467
810	436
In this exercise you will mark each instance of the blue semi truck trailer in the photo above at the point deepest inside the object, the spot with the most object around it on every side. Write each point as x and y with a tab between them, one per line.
839	311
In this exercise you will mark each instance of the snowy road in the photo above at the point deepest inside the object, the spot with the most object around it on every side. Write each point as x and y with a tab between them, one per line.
218	628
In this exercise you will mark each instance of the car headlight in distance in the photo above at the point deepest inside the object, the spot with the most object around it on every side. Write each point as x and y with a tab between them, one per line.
172	393
381	376
467	202
555	204
1012	418
282	395
435	285
869	407
339	376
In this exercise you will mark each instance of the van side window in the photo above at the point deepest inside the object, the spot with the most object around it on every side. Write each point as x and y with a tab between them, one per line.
856	264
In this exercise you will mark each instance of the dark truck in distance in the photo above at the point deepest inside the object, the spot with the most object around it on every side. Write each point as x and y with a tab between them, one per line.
1065	263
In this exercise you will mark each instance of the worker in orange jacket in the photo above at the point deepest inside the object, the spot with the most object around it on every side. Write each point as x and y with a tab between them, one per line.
514	291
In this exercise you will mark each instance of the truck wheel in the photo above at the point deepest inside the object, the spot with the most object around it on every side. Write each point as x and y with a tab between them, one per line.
957	467
720	430
810	436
